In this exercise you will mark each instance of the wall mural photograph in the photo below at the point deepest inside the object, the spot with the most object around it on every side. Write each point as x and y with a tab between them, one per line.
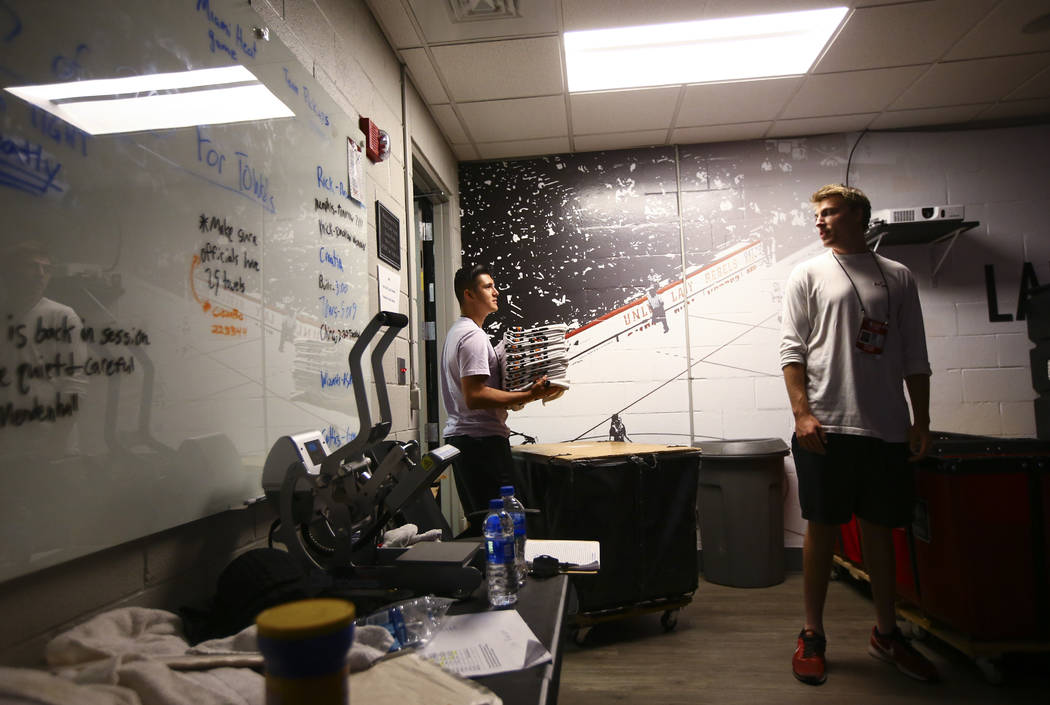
595	241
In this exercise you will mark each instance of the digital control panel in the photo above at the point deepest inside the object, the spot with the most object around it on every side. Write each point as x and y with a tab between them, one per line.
312	450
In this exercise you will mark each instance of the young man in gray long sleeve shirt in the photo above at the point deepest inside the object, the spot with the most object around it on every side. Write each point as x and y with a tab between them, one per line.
851	339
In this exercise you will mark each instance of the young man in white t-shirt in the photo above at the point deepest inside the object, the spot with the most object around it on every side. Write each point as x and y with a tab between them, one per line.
851	339
473	394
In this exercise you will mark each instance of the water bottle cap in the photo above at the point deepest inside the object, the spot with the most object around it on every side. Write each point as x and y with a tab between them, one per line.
495	504
506	490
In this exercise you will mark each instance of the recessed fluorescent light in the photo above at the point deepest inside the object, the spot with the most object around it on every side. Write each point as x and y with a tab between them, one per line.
158	101
732	48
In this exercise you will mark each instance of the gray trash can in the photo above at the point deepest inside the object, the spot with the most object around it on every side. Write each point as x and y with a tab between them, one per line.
740	501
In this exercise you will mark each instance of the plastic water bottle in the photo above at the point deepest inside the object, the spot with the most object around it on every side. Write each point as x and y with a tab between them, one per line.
499	555
517	512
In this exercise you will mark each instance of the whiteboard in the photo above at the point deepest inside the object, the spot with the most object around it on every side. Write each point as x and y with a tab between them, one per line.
172	300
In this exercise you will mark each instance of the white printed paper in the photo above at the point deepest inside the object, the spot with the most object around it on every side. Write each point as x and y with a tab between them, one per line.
485	643
355	171
389	289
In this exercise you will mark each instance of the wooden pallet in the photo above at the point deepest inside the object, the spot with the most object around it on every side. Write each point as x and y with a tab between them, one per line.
854	570
986	655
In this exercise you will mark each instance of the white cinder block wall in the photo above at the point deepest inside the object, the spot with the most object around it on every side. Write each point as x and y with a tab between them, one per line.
981	383
340	43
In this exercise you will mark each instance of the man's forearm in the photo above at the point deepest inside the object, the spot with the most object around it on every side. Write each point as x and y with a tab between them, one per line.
795	379
491	398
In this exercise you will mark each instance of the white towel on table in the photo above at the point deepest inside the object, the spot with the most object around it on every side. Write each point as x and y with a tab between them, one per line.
139	656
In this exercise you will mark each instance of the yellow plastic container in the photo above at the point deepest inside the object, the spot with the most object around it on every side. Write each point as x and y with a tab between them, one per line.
304	645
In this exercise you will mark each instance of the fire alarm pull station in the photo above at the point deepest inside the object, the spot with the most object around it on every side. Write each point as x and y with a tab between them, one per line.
372	147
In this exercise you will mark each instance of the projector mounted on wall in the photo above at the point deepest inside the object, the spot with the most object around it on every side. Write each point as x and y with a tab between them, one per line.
917	214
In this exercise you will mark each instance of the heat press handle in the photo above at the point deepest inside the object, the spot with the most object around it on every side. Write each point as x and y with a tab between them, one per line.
389	318
367	434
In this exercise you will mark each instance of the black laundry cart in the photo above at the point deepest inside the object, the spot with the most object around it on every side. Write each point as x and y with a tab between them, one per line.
638	500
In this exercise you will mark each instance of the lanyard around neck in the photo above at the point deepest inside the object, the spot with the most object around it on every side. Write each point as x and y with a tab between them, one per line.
885	283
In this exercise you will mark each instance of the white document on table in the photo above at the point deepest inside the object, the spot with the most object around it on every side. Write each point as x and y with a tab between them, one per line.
581	555
485	643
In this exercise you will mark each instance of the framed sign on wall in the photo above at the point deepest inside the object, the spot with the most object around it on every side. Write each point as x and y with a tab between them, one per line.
388	234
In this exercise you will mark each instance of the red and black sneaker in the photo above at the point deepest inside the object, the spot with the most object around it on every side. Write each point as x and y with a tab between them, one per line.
894	648
808	662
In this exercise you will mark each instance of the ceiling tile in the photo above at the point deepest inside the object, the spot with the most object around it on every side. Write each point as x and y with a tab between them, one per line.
738	101
623	140
1036	87
976	81
820	125
954	115
465	152
621	111
449	124
396	24
508	69
597	14
1000	32
435	17
525	148
898	35
516	119
720	133
850	92
1017	108
424	77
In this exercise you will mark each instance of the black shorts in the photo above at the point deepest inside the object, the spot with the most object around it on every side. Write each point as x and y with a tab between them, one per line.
481	468
859	475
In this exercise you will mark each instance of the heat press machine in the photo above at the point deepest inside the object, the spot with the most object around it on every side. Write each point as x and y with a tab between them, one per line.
334	505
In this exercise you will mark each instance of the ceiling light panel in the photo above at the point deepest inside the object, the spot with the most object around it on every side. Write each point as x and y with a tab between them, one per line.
158	101
704	51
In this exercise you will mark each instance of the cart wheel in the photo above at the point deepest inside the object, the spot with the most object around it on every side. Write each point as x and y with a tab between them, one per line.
836	573
990	669
917	632
669	620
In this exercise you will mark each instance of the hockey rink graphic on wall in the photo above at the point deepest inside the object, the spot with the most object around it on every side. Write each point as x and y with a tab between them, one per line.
651	310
